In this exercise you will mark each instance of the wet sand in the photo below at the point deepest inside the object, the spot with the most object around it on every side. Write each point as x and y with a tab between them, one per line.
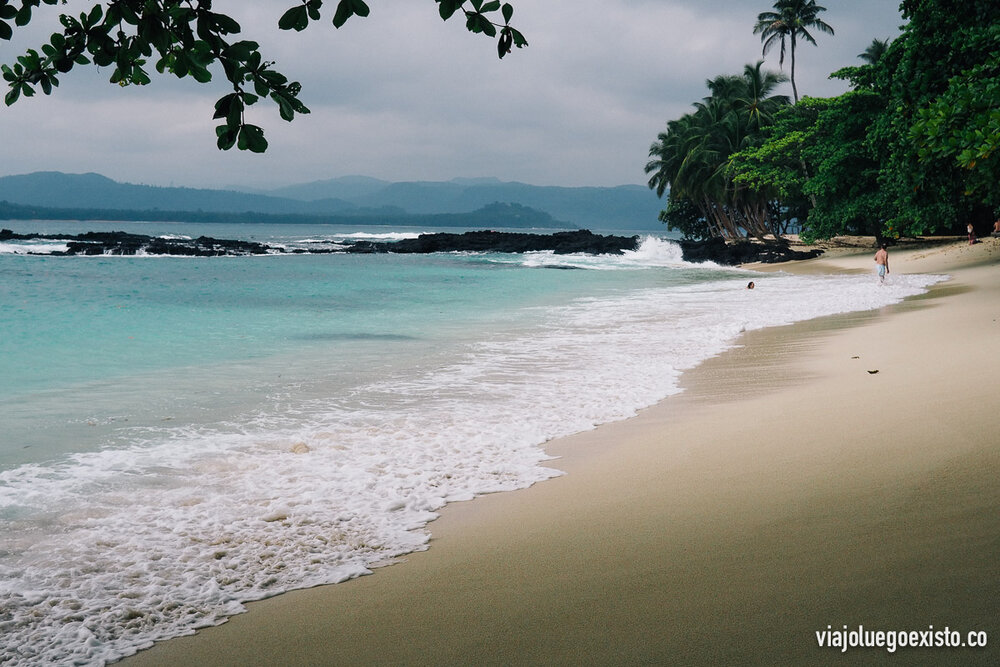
788	489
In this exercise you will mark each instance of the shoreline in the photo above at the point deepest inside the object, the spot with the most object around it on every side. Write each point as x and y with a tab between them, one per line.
784	491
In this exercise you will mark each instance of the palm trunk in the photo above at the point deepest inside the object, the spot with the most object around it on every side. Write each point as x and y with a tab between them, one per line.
795	91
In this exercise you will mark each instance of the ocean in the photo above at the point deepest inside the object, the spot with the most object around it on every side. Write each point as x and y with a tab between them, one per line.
180	436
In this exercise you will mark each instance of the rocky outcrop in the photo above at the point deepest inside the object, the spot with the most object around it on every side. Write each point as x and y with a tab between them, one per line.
123	243
733	253
561	243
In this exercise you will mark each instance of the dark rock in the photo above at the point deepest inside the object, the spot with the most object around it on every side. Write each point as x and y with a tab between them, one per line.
742	252
561	243
123	243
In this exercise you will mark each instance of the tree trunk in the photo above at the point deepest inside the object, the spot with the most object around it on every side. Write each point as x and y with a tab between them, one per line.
795	91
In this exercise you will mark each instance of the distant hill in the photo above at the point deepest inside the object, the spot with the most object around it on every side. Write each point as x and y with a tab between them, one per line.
58	190
631	207
621	207
493	216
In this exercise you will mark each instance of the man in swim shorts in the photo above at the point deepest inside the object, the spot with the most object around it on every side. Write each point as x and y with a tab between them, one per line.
882	260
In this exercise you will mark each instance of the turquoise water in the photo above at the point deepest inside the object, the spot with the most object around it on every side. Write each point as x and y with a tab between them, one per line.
183	435
94	341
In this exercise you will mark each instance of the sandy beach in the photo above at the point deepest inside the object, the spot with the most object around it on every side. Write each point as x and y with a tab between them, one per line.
837	472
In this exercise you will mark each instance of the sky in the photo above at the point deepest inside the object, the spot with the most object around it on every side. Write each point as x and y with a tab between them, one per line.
403	96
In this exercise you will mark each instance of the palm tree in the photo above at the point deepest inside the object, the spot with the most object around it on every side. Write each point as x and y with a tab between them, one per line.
692	157
874	51
757	101
790	19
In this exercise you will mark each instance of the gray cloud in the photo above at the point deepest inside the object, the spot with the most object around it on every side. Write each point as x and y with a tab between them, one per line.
403	95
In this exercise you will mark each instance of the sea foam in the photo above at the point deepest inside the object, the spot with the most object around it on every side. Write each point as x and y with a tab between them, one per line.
107	551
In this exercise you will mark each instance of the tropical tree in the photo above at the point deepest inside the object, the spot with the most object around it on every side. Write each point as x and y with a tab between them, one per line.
790	21
874	51
691	158
937	136
816	159
188	39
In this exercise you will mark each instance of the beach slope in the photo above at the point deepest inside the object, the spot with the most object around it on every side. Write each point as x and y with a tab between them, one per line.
839	472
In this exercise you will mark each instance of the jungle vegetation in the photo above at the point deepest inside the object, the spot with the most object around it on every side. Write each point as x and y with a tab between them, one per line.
910	149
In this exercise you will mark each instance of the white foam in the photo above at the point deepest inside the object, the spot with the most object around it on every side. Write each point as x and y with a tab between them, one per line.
33	246
179	530
653	252
376	236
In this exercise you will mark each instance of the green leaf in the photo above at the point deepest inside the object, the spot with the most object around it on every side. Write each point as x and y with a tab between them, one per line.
242	50
296	18
95	14
252	138
360	8
312	8
284	108
448	7
508	12
344	11
5	30
199	73
479	23
23	16
491	6
227	136
227	25
505	42
225	104
12	95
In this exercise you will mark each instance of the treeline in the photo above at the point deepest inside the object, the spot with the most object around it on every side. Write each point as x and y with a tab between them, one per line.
494	215
909	150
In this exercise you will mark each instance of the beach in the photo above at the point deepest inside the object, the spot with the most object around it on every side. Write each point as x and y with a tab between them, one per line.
836	472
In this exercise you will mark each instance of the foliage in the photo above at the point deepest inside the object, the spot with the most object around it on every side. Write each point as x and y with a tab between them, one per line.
844	171
963	123
691	158
911	149
186	38
815	159
791	20
682	216
935	77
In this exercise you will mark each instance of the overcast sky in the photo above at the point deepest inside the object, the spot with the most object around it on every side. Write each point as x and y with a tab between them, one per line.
402	95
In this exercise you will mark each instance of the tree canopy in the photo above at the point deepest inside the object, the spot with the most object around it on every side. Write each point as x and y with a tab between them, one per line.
187	38
692	157
910	149
791	20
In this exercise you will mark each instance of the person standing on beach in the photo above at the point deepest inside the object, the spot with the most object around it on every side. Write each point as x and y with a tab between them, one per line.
882	260
972	234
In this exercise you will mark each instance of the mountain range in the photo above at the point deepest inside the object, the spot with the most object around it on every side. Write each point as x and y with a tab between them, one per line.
623	207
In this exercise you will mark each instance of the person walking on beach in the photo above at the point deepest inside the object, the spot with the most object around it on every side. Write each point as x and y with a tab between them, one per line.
882	260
